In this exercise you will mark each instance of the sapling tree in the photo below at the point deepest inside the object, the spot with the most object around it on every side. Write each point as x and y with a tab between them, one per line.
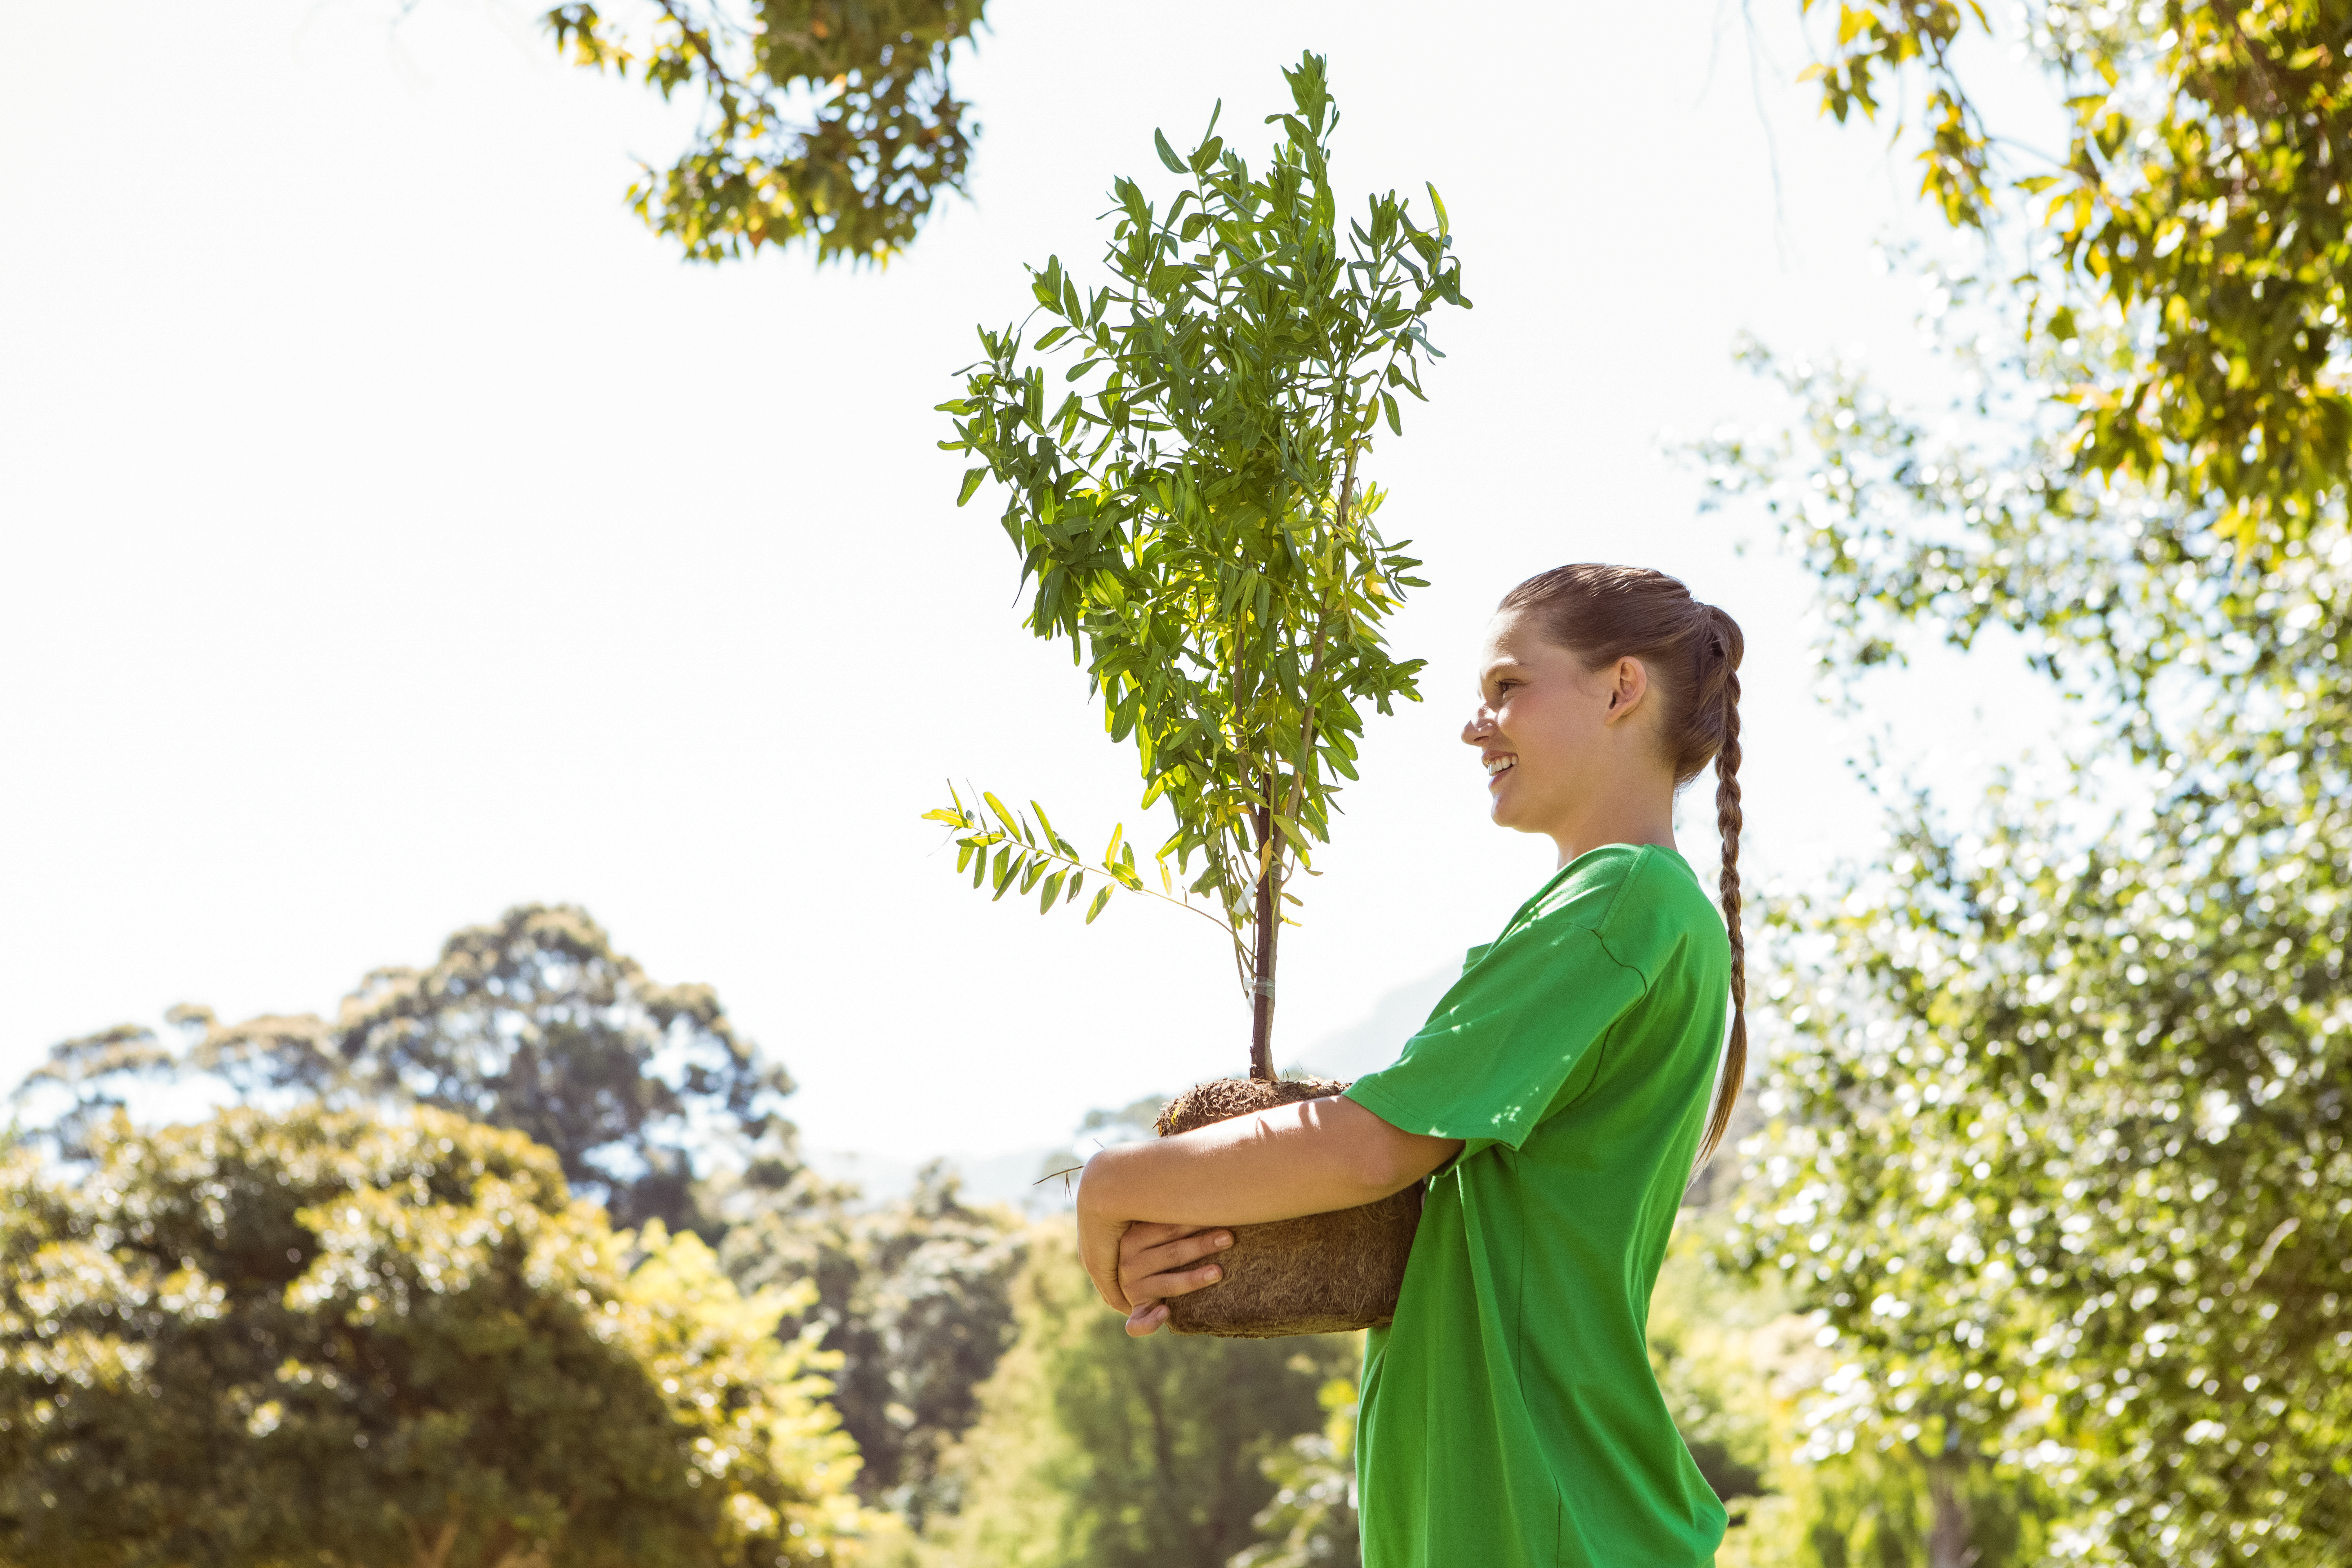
1195	520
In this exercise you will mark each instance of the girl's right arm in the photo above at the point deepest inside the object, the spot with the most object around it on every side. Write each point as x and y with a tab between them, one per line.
1148	1213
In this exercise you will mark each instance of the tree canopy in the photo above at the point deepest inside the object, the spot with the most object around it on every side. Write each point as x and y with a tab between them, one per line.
916	1297
2059	1132
534	1022
831	123
651	1102
320	1337
1094	1451
2189	266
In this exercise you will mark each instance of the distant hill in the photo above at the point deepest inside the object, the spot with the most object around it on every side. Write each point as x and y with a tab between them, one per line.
1374	1043
1011	1177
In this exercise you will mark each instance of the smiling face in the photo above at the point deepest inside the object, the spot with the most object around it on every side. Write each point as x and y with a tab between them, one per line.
1567	751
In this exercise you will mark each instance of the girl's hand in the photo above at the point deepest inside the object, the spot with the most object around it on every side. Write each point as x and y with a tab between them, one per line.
1157	1261
1307	1158
1135	1267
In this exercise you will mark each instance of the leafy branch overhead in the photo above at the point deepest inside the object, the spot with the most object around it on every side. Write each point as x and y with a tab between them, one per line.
828	121
2193	243
1192	512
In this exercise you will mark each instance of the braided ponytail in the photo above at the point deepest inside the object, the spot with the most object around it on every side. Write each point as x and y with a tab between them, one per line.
1693	650
1728	820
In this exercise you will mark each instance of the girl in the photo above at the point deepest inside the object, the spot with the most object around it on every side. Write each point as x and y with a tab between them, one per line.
1556	1102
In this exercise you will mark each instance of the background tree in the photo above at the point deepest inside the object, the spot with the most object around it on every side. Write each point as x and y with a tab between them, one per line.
827	122
1738	1369
1194	520
319	1337
917	1298
2192	241
2061	1128
2064	1127
1312	1522
84	1082
652	1103
1096	1451
535	1022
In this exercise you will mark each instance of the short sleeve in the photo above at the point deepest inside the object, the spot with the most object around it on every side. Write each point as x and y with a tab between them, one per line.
1516	1036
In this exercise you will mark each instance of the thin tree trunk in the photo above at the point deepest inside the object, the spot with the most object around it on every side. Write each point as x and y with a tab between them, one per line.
1948	1538
1269	854
1269	927
434	1554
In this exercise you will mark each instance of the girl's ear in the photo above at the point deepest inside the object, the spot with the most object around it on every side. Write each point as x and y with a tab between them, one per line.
1629	682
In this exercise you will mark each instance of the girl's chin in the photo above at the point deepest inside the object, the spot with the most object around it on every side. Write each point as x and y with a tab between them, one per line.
1511	808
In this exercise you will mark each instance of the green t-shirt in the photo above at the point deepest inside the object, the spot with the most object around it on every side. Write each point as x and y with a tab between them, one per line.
1510	1415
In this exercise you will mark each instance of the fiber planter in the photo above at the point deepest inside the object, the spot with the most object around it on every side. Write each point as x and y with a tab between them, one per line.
1319	1274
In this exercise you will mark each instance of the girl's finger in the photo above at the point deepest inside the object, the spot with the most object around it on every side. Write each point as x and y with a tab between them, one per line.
1156	1288
1146	1319
1151	1258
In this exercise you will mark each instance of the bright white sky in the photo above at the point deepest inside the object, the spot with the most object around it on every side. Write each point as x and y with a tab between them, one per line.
395	530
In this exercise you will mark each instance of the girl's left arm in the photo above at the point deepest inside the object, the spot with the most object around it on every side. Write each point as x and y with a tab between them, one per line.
1149	1212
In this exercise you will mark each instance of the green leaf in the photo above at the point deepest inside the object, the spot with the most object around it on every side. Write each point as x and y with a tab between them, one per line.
1168	155
971	478
1095	907
1053	890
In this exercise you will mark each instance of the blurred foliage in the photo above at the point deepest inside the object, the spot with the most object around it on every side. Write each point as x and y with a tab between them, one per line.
317	1337
1312	1522
650	1101
1739	1369
1715	1344
1094	1451
82	1085
2058	1153
1193	518
915	1295
2189	271
535	1022
829	123
2063	1160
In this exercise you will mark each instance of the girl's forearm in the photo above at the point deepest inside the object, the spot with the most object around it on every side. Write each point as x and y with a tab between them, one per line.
1309	1158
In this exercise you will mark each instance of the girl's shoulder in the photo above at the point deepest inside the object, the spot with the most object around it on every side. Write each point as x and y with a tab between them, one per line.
1594	887
1642	901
